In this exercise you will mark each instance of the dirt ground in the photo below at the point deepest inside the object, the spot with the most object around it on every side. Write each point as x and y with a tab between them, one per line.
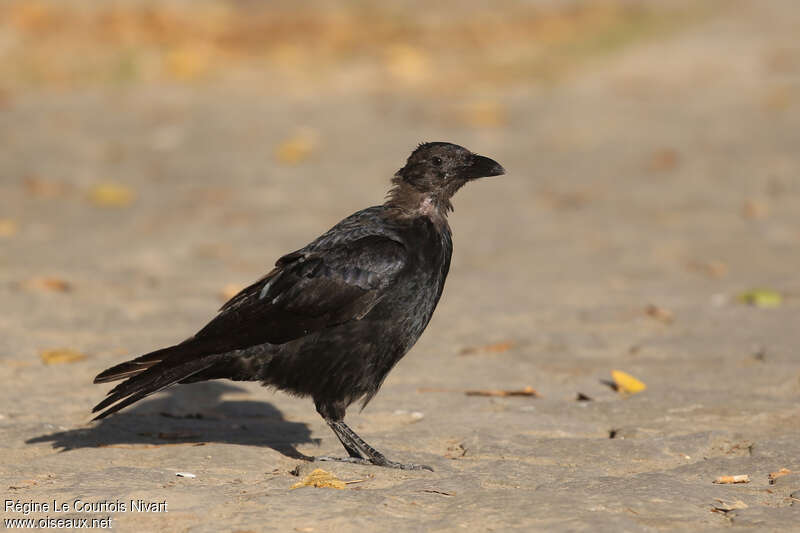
662	176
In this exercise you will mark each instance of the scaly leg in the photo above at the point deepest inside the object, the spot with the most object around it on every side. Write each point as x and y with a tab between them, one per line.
361	452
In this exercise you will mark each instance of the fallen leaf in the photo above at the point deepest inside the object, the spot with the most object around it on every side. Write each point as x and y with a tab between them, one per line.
724	480
726	506
497	347
296	148
47	284
8	227
625	383
659	313
59	356
229	291
111	195
764	298
780	473
663	160
527	391
320	479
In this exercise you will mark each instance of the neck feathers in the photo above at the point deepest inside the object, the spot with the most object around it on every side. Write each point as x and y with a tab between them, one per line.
411	202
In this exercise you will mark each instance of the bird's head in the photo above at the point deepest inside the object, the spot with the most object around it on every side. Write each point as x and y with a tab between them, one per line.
436	170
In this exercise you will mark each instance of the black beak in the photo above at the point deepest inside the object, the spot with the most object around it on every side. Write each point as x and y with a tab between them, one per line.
483	167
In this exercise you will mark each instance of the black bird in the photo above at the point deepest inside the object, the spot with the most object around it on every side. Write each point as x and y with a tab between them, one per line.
331	319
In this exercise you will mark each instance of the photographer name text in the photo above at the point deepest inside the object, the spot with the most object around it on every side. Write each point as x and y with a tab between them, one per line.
84	506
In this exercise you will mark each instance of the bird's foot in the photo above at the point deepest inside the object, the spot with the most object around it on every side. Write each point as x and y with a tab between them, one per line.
384	462
407	466
352	460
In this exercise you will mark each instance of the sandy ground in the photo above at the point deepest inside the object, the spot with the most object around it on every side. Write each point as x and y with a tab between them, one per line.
665	175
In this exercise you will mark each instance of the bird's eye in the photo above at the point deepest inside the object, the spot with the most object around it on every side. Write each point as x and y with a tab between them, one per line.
437	161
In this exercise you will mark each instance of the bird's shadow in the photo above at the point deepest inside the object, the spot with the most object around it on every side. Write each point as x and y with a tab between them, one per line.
174	418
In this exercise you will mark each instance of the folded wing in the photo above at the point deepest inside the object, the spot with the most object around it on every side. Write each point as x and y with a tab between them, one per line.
311	289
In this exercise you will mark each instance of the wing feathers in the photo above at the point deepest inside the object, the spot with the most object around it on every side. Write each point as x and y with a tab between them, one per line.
328	282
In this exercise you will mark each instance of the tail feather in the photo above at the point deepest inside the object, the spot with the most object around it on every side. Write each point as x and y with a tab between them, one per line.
134	366
156	379
149	374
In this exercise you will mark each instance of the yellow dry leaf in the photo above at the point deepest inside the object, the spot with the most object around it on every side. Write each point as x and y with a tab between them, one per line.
296	148
320	479
780	473
626	383
725	480
761	298
111	195
59	356
8	227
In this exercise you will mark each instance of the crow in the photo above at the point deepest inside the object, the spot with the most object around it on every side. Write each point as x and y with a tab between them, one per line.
332	318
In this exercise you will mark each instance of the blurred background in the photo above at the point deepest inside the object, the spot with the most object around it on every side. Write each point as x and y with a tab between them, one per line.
449	48
188	143
155	156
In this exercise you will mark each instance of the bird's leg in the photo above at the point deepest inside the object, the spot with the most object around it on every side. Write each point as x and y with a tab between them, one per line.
361	452
353	451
